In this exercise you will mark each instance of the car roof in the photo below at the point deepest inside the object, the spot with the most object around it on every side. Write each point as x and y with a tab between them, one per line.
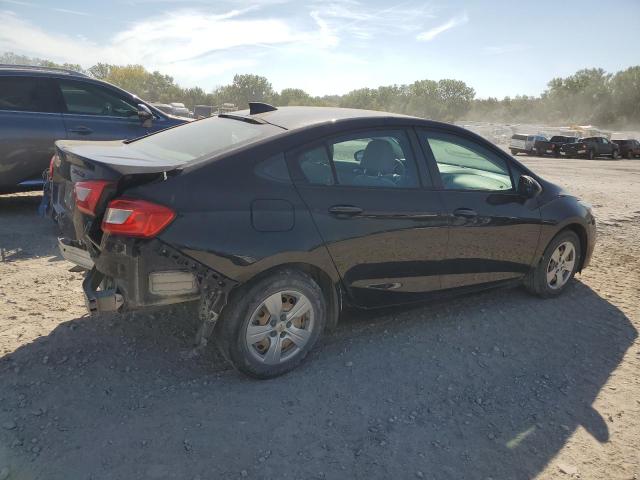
40	71
292	118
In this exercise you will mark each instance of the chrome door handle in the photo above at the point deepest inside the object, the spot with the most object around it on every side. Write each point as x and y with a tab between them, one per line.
345	210
465	212
81	130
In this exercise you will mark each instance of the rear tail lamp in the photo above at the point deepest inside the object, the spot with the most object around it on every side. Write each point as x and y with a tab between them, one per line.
88	195
136	218
53	159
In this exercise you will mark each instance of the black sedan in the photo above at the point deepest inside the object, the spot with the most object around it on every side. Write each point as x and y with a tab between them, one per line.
274	219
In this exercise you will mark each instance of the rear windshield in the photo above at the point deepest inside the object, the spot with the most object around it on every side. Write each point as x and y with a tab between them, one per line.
519	137
201	139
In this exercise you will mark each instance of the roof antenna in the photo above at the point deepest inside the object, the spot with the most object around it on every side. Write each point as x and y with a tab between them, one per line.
260	107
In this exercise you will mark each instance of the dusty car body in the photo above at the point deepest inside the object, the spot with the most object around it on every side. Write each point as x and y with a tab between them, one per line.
301	210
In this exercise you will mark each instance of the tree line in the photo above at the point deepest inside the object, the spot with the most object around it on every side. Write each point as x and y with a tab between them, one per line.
589	96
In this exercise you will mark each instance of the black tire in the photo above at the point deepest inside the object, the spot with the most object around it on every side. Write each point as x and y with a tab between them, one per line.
629	154
514	152
590	155
536	280
234	321
615	155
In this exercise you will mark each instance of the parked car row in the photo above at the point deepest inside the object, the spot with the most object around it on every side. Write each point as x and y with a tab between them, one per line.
573	147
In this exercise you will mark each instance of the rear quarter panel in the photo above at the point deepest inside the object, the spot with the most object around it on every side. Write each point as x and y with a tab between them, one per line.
237	222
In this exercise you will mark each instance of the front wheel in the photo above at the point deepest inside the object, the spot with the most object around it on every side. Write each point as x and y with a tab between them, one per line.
270	326
557	266
629	154
615	155
590	155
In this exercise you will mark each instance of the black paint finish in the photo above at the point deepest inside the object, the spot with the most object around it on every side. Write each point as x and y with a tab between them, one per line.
379	246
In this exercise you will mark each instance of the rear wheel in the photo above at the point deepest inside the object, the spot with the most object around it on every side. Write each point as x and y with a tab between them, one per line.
629	154
271	326
514	152
557	266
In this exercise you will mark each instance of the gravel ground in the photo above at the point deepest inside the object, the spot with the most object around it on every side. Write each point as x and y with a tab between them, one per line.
493	385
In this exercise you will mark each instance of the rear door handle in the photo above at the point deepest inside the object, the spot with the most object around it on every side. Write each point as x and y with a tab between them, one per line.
345	210
81	130
465	212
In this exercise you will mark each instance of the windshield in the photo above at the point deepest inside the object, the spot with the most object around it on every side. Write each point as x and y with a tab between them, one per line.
201	139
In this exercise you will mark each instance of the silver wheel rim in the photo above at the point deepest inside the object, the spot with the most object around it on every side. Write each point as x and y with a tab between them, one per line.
280	327
561	265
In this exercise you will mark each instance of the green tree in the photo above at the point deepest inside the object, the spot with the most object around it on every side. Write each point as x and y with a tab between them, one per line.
625	95
244	89
293	96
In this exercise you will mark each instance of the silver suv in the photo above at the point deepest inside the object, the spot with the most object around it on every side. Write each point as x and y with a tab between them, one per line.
523	143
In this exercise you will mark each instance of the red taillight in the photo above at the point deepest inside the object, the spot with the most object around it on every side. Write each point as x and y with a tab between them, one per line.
53	159
88	195
136	218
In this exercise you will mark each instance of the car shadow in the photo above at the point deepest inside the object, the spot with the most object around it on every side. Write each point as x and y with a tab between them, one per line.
488	385
20	240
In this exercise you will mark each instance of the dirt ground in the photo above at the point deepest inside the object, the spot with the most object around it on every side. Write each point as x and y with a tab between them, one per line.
496	385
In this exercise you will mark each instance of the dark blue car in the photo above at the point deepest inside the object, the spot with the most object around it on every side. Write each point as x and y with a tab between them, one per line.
40	105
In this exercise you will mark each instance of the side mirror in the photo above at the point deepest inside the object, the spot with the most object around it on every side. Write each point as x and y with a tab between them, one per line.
528	186
358	156
145	115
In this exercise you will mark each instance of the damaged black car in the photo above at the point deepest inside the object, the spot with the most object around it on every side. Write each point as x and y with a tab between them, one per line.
274	219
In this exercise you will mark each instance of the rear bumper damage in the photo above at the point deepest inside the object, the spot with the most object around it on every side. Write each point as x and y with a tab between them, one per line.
131	274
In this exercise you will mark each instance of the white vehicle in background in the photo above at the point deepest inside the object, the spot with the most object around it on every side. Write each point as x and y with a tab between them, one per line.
164	107
180	110
523	143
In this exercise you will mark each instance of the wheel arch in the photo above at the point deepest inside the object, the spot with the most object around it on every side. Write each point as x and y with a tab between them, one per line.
331	289
581	232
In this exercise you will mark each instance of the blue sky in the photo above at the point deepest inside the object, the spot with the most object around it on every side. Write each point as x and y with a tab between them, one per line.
498	47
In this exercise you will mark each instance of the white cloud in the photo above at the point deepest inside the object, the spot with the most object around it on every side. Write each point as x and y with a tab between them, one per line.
175	43
72	12
503	49
435	31
199	47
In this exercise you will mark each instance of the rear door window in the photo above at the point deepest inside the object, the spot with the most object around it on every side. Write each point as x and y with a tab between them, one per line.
377	158
27	94
88	99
